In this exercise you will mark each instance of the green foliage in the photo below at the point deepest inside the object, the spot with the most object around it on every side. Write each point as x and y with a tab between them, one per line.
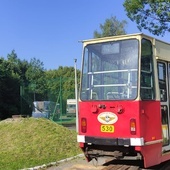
30	142
16	74
111	27
22	82
152	15
61	85
62	79
9	89
35	75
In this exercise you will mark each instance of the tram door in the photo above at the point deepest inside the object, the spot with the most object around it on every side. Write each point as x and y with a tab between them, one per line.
163	77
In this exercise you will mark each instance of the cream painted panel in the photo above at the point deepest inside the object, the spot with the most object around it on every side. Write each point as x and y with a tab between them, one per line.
162	50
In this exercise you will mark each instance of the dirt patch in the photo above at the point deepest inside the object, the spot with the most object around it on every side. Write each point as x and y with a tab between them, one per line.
79	164
84	167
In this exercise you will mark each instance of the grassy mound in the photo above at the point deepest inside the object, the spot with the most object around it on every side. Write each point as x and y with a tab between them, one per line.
28	142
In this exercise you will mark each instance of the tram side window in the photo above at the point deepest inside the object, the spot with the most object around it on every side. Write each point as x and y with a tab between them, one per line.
162	81
147	78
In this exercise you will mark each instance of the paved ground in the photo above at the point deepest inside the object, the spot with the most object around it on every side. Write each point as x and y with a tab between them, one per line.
79	164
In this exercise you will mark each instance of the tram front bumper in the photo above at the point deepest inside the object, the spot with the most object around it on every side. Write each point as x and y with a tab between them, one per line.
110	141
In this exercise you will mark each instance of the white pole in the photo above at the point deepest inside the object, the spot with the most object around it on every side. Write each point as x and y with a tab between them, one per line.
76	96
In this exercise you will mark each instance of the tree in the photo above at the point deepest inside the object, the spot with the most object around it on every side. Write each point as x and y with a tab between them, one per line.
111	27
16	80
18	67
35	75
62	79
9	90
152	15
61	84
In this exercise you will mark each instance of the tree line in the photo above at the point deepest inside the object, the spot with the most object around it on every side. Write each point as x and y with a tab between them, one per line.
22	82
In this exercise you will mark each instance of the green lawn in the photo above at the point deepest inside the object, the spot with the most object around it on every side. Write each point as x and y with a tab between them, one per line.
28	142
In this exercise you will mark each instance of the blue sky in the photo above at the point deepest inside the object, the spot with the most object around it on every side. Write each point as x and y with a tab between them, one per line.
49	30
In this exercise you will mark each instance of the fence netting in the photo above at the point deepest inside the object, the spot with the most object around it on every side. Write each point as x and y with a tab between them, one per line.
56	102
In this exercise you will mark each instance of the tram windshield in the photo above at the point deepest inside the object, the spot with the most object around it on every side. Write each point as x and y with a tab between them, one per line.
110	71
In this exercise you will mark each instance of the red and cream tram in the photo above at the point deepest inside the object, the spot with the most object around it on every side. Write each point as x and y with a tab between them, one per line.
124	99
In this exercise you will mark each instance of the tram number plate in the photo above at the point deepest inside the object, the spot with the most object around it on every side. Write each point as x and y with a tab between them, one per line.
107	128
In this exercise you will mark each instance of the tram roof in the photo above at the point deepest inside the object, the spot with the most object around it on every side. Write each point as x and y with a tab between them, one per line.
162	48
123	36
111	37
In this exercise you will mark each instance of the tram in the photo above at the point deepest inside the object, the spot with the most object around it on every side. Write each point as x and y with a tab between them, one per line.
124	100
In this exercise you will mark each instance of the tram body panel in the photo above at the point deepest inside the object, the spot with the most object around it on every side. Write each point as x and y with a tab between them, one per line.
148	125
146	114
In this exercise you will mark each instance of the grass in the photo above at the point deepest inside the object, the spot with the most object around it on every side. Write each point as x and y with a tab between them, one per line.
67	121
28	142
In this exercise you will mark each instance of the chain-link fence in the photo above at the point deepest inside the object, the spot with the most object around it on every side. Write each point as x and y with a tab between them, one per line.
55	102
